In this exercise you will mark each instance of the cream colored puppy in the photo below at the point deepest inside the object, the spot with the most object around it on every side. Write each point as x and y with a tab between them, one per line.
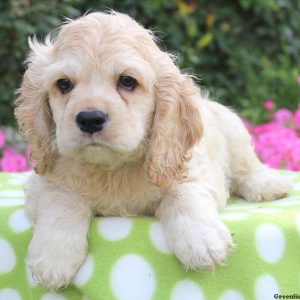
116	129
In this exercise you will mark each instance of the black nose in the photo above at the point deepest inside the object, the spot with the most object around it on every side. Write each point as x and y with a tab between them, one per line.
91	121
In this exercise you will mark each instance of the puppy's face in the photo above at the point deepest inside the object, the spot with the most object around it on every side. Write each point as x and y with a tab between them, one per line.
105	93
101	91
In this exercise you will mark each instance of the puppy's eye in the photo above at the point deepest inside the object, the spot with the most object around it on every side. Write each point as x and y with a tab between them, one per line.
64	85
127	82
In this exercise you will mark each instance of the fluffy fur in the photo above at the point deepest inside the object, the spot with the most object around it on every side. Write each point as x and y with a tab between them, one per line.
167	149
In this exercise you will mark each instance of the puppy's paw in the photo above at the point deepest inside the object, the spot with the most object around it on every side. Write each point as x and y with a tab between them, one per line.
201	244
54	266
265	185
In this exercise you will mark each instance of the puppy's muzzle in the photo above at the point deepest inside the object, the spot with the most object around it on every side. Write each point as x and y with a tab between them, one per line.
91	121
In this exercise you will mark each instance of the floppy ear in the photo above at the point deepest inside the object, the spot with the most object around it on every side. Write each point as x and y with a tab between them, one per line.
32	108
177	127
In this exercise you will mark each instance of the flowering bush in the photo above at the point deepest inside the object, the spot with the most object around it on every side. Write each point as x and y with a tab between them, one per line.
277	142
11	160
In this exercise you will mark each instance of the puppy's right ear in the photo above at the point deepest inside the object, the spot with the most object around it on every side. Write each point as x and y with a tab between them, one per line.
32	110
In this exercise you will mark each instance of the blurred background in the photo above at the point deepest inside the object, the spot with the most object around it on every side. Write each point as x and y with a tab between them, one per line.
245	52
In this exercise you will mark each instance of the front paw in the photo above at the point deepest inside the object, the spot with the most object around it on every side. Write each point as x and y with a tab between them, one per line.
54	266
200	244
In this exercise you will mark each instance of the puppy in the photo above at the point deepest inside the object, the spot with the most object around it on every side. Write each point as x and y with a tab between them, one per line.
116	129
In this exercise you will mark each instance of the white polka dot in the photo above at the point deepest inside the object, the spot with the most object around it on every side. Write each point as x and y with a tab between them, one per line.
236	216
114	228
291	201
85	272
187	290
22	174
265	288
270	242
11	202
7	257
158	238
53	296
9	294
133	278
12	193
232	295
18	221
17	181
239	207
291	176
267	210
296	186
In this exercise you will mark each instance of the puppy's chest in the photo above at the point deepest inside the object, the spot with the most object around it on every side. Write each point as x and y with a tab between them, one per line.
121	196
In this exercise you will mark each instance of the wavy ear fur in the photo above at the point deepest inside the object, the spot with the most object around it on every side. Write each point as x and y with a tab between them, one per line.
177	127
32	108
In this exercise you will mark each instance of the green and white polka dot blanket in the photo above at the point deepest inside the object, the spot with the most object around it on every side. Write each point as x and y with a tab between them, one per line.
129	259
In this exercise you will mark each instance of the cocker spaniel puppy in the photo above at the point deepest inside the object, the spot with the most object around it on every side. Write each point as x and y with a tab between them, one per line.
116	129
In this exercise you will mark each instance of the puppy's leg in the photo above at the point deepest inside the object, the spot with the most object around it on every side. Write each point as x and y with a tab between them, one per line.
250	178
261	184
59	243
193	228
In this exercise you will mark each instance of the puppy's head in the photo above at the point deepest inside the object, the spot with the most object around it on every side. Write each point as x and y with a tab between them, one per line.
103	91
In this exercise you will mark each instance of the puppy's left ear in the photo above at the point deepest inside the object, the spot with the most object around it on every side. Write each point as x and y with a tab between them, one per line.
177	126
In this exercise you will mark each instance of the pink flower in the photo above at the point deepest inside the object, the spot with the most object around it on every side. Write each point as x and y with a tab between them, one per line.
10	151
296	154
277	143
269	104
297	117
2	139
274	161
282	116
266	127
12	161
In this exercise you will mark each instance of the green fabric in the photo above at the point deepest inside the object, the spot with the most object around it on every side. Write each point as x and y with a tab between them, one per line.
129	259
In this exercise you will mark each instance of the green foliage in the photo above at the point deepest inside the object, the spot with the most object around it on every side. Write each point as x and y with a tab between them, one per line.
20	19
244	51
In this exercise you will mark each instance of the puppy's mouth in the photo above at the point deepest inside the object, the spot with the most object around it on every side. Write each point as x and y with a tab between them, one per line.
99	146
101	153
95	146
93	141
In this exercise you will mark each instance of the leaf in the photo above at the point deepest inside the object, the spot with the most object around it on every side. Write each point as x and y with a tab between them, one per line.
205	40
210	19
192	28
185	9
225	26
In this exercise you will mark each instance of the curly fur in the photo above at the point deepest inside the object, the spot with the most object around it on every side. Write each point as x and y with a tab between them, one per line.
167	149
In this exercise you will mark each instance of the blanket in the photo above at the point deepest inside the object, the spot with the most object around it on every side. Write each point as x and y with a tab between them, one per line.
129	258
